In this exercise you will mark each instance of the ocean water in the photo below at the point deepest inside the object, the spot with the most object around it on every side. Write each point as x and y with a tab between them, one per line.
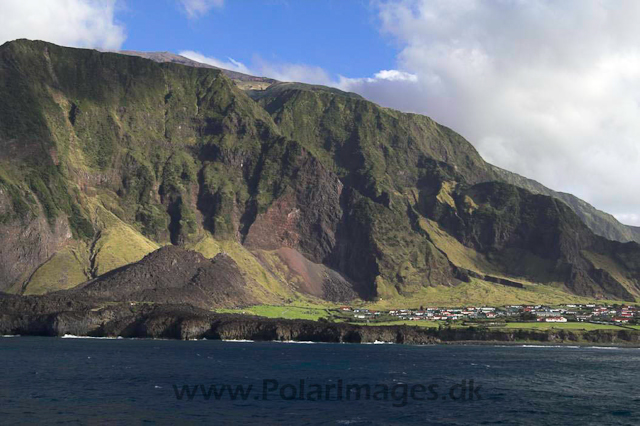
105	381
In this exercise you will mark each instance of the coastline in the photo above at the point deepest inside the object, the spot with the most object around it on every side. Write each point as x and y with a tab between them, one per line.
185	322
495	343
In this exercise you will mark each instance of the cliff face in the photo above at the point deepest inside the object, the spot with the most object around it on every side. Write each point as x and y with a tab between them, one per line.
433	181
307	190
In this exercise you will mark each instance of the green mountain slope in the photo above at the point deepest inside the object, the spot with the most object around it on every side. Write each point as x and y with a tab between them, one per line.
599	222
312	192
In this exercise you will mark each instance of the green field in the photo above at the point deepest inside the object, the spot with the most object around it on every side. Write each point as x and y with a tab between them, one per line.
306	312
428	324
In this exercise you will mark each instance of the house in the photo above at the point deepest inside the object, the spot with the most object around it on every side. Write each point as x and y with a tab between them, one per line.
555	319
621	320
345	309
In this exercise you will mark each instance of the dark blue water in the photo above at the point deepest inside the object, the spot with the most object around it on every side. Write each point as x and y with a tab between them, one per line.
80	381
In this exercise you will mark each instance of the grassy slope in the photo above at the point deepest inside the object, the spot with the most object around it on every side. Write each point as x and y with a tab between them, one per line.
66	269
478	292
456	252
116	245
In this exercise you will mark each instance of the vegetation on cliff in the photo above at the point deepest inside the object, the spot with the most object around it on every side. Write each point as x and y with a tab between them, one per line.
311	193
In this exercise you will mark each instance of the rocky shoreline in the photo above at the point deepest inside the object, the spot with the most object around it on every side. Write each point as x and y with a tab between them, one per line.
186	322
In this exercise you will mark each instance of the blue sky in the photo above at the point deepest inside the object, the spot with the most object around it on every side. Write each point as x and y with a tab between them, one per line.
342	36
548	89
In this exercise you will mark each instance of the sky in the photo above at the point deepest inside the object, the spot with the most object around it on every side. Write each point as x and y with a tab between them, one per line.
549	89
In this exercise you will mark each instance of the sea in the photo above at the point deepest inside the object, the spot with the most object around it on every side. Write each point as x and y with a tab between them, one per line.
48	380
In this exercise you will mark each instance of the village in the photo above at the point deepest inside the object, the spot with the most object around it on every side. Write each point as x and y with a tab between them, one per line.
593	313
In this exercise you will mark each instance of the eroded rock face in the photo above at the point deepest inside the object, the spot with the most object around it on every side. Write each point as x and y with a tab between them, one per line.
24	247
306	217
316	279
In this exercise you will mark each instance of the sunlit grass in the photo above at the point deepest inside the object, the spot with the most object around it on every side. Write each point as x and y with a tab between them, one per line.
285	312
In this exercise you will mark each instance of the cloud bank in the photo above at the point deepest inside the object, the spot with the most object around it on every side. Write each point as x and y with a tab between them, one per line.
547	89
78	23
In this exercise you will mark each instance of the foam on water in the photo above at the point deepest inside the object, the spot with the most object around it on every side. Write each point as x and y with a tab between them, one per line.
73	336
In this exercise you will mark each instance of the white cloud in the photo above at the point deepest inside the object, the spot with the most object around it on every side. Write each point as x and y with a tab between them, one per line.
284	71
197	8
381	76
548	89
229	64
281	71
78	23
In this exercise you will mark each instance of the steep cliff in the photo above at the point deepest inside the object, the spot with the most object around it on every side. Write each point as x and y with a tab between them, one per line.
307	191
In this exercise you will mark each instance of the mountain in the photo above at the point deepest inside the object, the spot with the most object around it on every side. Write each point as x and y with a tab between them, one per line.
295	192
599	222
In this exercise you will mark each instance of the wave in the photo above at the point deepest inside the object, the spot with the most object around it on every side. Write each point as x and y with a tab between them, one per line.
571	347
604	347
550	346
73	336
10	335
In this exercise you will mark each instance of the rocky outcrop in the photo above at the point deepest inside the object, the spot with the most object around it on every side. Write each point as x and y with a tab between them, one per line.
175	276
